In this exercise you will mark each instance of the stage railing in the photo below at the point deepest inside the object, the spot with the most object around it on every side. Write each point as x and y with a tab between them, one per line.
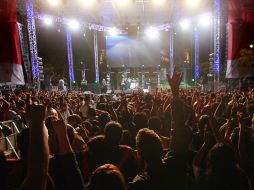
8	137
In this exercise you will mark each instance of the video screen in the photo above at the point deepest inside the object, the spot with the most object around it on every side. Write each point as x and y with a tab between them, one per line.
132	52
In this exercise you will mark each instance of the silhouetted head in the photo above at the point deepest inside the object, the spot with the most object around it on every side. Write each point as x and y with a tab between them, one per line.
149	145
113	133
154	123
221	158
107	177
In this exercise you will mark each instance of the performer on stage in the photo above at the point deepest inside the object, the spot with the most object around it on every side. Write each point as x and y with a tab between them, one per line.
61	84
124	84
104	86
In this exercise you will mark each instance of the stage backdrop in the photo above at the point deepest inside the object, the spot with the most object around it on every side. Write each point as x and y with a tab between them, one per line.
11	71
240	37
133	51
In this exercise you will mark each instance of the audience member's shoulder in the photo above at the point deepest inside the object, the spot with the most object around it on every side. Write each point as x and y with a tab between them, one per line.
126	148
139	182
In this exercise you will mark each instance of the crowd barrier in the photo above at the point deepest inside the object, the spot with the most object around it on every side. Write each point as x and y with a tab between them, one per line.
8	137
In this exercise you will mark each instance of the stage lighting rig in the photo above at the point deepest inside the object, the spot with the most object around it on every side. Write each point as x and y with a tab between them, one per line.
205	20
185	24
48	21
193	3
122	3
152	33
88	3
113	31
159	2
74	25
54	2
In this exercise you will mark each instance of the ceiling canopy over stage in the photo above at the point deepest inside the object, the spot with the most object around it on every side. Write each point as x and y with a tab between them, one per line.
122	12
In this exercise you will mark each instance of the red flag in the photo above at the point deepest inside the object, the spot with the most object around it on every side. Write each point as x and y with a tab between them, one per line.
11	71
240	36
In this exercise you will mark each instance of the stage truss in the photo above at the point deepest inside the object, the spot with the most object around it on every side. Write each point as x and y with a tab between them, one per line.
32	15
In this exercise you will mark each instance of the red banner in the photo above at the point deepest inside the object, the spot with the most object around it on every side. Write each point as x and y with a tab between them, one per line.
240	38
10	54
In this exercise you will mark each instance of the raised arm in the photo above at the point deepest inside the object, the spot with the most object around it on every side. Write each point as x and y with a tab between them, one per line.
241	140
154	109
196	164
220	108
180	138
112	112
38	158
174	83
69	174
6	104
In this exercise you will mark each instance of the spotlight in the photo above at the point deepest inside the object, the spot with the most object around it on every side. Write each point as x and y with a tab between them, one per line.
205	20
88	3
113	31
158	2
48	21
251	46
122	3
74	25
152	33
192	3
185	24
54	2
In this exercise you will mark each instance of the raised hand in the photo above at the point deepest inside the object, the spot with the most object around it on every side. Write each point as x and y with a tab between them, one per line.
240	116
175	80
36	113
174	83
38	157
59	126
207	137
60	129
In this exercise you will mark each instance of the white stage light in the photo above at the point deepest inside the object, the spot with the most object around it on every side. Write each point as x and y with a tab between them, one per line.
122	2
88	3
48	21
152	33
251	46
113	31
185	24
54	2
158	2
192	3
74	25
205	19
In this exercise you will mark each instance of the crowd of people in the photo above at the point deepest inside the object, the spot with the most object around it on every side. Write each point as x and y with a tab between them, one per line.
174	139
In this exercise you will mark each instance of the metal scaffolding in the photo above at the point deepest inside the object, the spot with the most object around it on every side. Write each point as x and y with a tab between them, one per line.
96	58
32	42
171	52
70	57
196	55
217	38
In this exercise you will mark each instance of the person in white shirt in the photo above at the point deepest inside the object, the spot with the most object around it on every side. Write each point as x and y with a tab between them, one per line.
61	85
85	106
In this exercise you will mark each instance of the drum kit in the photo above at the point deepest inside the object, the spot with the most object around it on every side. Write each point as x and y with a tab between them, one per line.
130	83
134	83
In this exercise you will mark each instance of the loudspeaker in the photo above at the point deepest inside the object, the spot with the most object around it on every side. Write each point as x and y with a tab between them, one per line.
118	91
94	88
127	91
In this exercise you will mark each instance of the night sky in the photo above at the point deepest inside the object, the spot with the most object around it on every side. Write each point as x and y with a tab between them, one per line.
52	48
